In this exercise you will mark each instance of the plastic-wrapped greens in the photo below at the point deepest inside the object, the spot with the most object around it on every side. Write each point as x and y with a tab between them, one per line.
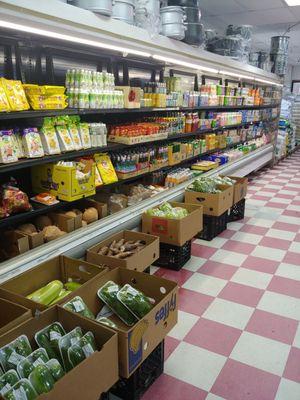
78	306
134	300
167	211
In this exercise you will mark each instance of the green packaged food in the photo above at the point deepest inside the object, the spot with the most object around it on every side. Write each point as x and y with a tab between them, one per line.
70	339
78	306
41	379
14	352
167	211
108	294
55	368
85	347
26	366
22	390
71	286
134	300
8	380
106	321
48	339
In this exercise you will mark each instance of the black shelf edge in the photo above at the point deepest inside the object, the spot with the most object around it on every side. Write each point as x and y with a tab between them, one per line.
72	111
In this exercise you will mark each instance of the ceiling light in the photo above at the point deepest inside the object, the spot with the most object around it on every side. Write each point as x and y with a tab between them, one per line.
185	64
293	3
70	38
235	75
268	82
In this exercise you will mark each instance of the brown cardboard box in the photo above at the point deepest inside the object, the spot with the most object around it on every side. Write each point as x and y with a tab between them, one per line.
213	204
132	96
66	223
100	207
62	268
175	231
138	262
12	315
138	341
240	188
35	239
93	376
14	241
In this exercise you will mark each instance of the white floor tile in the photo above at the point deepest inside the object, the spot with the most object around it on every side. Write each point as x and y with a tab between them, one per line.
278	187
278	234
292	207
250	212
294	185
194	263
288	390
258	203
211	396
185	323
235	226
217	242
260	352
228	257
288	271
267	214
228	313
153	269
194	365
248	277
280	304
289	220
296	342
266	194
265	223
268	253
205	284
247	237
295	247
280	200
290	192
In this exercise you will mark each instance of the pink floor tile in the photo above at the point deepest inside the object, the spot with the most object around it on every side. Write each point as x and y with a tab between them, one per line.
270	190
297	238
213	336
286	286
242	294
292	258
170	346
219	270
257	197
261	264
295	203
202	251
292	369
284	196
227	234
275	243
284	226
169	388
276	205
238	381
238	247
292	189
177	276
272	326
257	230
291	213
193	302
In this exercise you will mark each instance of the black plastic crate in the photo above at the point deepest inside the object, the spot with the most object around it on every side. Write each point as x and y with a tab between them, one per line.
213	226
147	270
136	385
104	396
174	257
237	211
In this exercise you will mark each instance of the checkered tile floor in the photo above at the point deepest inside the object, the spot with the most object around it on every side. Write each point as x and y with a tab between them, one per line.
238	335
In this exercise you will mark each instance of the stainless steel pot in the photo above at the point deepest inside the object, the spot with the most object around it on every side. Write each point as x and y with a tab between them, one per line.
103	7
280	44
123	10
193	15
149	7
174	31
172	15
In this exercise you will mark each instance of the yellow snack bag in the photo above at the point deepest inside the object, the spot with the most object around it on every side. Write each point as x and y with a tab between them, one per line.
15	94
106	169
4	103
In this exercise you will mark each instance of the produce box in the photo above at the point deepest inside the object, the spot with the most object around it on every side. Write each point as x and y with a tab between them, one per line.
12	315
240	188
213	203
138	341
90	378
59	268
175	231
65	222
34	239
132	96
100	207
138	261
13	243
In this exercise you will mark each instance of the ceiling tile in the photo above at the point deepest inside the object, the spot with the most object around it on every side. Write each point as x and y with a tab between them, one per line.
263	17
217	7
260	4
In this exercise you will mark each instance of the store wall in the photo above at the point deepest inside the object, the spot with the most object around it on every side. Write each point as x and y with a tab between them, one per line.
296	73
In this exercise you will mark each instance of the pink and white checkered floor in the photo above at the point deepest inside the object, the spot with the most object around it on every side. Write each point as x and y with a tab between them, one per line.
238	335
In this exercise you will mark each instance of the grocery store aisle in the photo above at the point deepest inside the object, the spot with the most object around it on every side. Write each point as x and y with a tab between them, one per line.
238	335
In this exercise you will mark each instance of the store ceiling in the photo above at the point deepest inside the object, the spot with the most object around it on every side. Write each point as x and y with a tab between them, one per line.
269	18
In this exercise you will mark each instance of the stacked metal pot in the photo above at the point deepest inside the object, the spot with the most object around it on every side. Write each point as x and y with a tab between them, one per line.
147	15
279	54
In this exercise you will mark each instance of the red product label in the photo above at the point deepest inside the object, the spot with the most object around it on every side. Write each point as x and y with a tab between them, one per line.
159	226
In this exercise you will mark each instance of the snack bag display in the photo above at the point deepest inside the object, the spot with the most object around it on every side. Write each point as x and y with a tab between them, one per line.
17	144
32	143
4	103
106	168
15	94
65	139
85	135
75	135
49	140
8	151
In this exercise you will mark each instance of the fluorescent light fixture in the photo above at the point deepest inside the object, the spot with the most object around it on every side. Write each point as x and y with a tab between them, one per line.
235	75
70	38
185	64
293	3
268	82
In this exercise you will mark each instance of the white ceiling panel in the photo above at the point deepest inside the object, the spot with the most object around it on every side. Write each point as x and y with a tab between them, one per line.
252	5
262	17
217	7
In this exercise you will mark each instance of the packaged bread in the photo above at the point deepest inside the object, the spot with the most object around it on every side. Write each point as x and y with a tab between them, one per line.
49	140
15	94
32	143
7	150
64	138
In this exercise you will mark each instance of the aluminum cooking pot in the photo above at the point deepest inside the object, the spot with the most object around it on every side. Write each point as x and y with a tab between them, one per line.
193	15
123	10
172	15
194	34
103	7
184	3
174	31
149	7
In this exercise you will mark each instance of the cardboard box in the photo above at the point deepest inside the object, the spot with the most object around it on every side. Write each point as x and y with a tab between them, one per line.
213	203
240	188
62	268
12	315
66	223
93	376
138	262
15	242
132	96
175	231
100	207
34	239
138	341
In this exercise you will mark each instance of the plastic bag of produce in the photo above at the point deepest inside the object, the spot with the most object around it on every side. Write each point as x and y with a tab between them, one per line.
48	339
78	306
26	366
47	294
134	300
106	321
14	352
108	294
22	390
85	347
55	368
8	380
70	339
41	379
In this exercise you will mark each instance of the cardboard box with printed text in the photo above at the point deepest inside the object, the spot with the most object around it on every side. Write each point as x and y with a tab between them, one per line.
214	204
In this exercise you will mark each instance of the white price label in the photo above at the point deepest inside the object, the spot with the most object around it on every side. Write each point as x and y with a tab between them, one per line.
54	335
20	394
15	358
74	340
78	306
88	350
